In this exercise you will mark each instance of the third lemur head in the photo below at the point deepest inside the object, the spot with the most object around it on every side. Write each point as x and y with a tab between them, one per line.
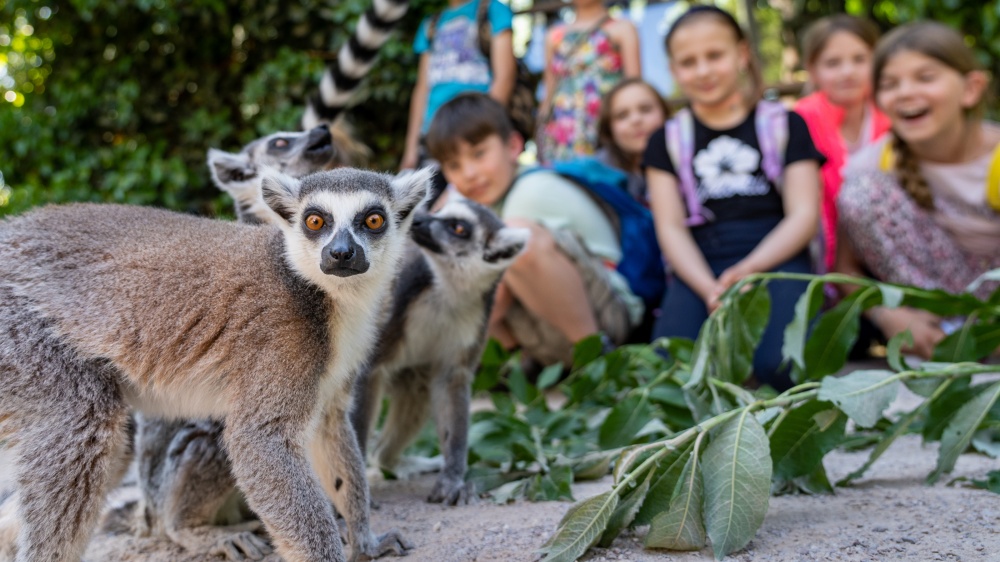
295	154
344	223
467	236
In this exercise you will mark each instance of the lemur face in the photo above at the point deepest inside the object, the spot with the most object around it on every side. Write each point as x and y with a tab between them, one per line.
465	234
345	222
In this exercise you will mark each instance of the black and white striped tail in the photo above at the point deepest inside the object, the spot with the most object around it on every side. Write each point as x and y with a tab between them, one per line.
343	75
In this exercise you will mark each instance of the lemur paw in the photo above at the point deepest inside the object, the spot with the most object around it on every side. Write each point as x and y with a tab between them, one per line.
378	546
244	544
451	491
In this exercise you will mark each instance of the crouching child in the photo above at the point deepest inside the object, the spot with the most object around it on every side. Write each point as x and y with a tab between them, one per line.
565	286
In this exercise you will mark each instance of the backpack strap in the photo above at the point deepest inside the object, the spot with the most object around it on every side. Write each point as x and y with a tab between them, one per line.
679	131
887	160
483	28
993	181
771	124
432	23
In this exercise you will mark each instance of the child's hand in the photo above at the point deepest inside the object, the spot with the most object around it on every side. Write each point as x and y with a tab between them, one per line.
727	279
925	327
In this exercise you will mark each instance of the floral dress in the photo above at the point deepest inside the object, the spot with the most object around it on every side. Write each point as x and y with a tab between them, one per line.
585	68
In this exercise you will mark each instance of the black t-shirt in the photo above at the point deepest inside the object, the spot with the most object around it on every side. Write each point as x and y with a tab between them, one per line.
727	166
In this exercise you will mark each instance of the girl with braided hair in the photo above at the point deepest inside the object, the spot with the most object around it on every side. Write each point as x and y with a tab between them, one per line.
915	206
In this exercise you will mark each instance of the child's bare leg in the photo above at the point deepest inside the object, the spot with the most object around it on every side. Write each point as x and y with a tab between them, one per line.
548	284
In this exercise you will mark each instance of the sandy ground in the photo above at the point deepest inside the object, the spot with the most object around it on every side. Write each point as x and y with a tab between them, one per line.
889	515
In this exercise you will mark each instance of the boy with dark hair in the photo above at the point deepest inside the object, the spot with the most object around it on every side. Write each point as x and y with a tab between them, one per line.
564	287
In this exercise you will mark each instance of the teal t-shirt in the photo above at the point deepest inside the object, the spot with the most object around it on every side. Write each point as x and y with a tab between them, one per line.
456	63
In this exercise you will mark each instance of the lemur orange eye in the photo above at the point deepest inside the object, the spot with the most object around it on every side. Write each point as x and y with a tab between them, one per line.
314	222
458	228
374	221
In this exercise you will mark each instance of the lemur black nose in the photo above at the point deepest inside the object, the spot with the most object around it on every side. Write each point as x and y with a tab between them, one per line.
341	253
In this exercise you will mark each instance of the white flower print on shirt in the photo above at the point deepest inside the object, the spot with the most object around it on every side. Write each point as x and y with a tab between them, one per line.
726	168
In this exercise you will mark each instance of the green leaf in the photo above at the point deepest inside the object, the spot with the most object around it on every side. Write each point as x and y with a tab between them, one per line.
992	482
971	342
592	466
624	514
580	528
799	442
894	350
662	485
625	421
814	483
701	357
862	395
835	334
587	350
987	442
956	438
549	376
681	527
795	333
737	475
742	325
517	381
993	275
892	296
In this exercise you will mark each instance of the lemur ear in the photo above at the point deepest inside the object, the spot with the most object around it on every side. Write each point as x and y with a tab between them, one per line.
280	192
504	246
410	189
229	168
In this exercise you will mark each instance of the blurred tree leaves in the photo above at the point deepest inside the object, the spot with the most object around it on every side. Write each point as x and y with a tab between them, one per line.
119	101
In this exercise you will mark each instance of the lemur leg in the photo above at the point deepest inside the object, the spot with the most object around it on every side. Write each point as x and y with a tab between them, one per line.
195	486
409	407
341	470
272	470
66	471
451	396
367	398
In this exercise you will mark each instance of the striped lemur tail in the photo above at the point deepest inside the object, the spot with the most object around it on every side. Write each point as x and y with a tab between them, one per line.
356	57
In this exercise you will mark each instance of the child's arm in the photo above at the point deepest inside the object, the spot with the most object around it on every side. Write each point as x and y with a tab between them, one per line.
675	239
628	45
548	77
800	200
418	105
502	66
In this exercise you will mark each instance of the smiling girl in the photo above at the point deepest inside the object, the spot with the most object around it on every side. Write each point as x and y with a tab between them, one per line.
915	206
720	215
841	115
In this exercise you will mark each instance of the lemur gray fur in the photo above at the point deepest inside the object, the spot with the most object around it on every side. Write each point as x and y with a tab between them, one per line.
107	307
445	287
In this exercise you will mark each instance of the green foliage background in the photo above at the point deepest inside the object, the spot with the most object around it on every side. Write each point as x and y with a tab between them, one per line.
118	101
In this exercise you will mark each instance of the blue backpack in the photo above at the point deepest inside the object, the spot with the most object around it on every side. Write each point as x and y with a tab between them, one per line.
642	263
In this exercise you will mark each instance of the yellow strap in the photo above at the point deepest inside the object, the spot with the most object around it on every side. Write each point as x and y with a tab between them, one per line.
888	159
993	181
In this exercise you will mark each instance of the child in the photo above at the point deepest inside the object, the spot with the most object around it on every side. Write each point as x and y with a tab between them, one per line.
564	287
914	207
842	119
451	62
630	112
582	61
747	224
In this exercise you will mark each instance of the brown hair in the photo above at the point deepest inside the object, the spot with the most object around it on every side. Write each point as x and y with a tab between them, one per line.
469	117
818	34
700	12
948	47
604	118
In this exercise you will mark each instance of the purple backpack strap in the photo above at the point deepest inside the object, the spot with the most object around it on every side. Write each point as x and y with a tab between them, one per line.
680	148
771	124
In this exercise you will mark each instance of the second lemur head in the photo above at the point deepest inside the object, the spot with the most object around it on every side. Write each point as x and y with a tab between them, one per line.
344	224
468	237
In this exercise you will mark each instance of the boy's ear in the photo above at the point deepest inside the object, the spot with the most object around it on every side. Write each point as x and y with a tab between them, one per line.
504	246
515	145
280	192
230	167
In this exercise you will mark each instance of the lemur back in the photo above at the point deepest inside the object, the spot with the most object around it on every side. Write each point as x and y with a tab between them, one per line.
108	307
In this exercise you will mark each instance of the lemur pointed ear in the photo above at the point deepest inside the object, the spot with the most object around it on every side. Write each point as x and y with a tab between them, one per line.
505	245
411	189
280	192
228	168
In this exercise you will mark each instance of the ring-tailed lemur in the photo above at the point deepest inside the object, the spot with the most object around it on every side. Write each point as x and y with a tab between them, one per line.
107	307
355	58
